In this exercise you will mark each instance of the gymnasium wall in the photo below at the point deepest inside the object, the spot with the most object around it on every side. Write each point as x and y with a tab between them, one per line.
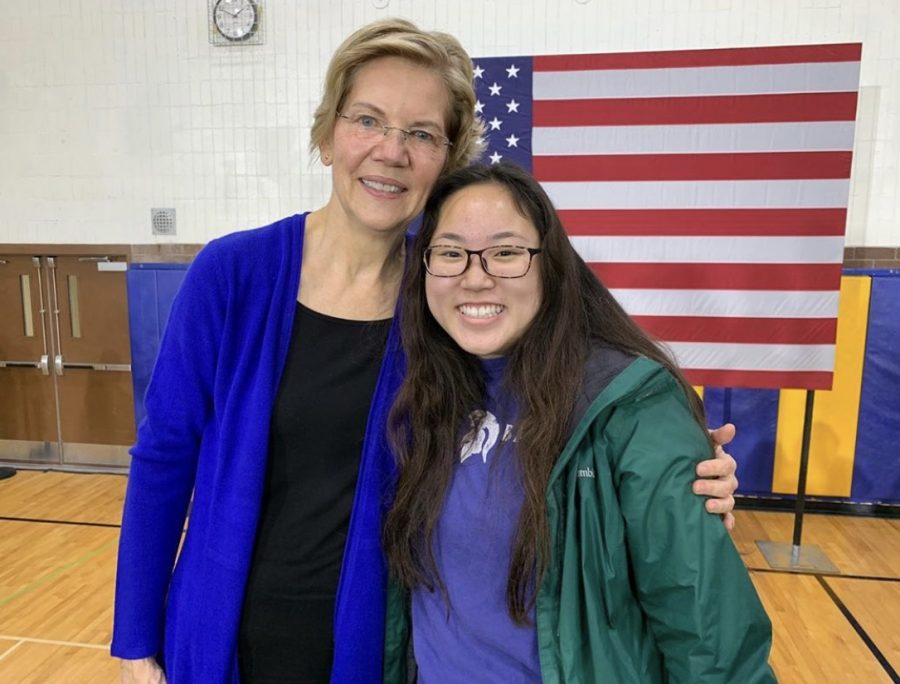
854	452
109	109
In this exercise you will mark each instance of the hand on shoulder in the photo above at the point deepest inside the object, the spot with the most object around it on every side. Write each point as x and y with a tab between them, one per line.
719	477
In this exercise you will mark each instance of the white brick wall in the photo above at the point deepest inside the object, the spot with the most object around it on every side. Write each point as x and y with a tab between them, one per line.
110	108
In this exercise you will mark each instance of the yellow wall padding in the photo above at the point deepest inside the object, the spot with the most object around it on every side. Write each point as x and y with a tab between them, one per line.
835	412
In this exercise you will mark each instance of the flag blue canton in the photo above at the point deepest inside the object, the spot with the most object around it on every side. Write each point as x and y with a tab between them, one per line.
504	101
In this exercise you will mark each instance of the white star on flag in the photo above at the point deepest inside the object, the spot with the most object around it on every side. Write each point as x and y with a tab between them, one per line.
512	71
495	158
495	124
478	71
512	106
495	89
479	107
512	141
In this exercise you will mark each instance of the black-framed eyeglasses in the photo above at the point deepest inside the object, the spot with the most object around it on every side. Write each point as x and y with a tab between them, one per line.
370	128
500	261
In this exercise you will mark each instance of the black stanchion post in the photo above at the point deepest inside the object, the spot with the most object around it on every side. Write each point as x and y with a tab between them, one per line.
795	557
801	476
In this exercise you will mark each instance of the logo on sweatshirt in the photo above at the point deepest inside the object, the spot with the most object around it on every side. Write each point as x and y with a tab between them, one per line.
586	472
483	437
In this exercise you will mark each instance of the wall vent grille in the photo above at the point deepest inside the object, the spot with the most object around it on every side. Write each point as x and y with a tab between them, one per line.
163	221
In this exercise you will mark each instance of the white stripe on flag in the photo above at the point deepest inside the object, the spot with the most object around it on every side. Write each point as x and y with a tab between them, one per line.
729	303
753	194
686	82
716	249
755	357
814	136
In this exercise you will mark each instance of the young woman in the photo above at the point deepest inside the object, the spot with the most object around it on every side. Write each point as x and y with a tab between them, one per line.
543	518
269	398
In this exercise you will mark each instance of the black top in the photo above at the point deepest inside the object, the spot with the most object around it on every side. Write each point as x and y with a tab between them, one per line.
317	430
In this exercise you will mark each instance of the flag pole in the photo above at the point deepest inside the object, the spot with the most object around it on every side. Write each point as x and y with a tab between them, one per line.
795	557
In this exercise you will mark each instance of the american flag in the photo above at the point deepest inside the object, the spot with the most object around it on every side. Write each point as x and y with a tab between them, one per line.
708	190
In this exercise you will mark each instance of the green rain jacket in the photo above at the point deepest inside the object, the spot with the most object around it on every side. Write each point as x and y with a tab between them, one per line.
642	585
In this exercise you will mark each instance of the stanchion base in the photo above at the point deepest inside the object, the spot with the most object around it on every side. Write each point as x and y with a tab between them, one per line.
805	558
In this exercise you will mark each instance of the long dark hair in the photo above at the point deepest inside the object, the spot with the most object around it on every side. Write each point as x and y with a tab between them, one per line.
444	386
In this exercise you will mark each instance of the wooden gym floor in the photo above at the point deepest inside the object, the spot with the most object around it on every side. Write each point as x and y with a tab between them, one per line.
58	536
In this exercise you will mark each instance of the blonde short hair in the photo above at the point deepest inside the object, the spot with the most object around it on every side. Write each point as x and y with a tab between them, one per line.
430	49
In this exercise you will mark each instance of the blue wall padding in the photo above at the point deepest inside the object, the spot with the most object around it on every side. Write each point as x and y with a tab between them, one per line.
876	467
151	289
755	413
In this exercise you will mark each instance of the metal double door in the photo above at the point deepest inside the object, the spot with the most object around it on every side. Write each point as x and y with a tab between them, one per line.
66	397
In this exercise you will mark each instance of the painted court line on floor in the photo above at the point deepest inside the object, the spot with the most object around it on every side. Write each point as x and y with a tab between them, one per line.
46	521
56	573
11	648
814	573
52	642
867	640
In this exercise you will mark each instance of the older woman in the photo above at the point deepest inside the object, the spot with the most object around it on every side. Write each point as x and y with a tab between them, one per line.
269	398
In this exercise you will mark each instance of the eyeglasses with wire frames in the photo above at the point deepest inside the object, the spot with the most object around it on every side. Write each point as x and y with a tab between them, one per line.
499	261
369	128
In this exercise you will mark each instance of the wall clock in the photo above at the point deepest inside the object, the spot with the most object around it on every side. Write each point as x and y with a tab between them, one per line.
235	22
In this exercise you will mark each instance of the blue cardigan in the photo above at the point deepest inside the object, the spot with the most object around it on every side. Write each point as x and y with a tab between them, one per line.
206	433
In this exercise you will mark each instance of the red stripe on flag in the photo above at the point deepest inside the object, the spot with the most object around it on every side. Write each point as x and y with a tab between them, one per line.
731	166
736	222
706	276
714	109
791	54
818	380
740	330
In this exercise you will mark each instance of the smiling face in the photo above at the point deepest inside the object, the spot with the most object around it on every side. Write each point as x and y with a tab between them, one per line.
381	184
483	314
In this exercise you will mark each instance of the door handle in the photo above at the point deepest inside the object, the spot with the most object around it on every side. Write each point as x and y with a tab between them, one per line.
58	364
113	367
44	364
19	364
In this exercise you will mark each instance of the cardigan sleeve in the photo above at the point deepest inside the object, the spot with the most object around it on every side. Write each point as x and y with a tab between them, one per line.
179	404
692	585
